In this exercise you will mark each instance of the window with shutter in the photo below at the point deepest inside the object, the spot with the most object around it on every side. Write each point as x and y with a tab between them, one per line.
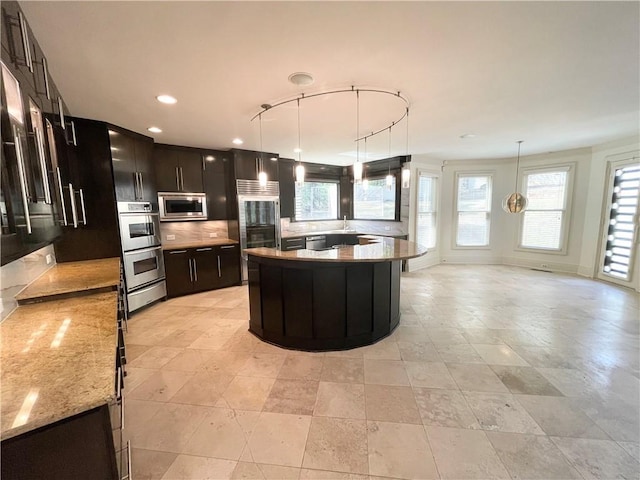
473	206
316	201
426	233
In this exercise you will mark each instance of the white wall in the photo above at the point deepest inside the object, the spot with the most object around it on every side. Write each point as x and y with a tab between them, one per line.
581	254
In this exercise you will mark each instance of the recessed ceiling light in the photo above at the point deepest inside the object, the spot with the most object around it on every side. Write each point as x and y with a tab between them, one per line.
301	79
468	135
154	129
168	99
237	141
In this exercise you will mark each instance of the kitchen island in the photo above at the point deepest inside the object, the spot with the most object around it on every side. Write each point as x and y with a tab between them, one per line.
331	299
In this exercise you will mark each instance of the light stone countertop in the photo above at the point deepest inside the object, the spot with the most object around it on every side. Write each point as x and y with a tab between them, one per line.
211	242
76	278
58	360
371	249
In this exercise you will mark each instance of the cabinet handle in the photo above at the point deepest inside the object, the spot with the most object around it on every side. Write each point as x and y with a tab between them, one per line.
195	269
74	211
136	186
46	78
219	271
122	413
128	476
43	165
177	178
119	384
61	108
173	252
206	249
141	186
181	179
25	41
23	179
64	209
84	211
225	247
73	134
190	271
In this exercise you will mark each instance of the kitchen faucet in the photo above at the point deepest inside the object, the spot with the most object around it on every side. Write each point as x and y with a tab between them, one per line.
344	225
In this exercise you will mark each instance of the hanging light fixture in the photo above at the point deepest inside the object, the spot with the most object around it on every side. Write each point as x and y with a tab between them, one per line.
299	167
357	166
389	177
515	202
406	172
262	175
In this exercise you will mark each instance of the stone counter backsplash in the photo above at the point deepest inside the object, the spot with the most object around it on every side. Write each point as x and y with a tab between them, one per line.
195	231
374	227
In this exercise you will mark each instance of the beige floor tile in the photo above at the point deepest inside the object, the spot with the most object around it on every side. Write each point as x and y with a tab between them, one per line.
560	417
501	412
149	464
462	353
386	349
476	378
342	400
447	336
340	369
188	467
571	382
243	341
464	454
545	357
189	360
617	417
226	362
133	351
160	386
309	474
170	429
385	372
223	433
135	376
337	444
632	448
399	450
531	456
301	367
418	351
525	380
444	408
261	471
430	375
203	388
180	338
210	340
155	357
262	365
246	393
486	336
279	439
292	396
391	404
137	415
499	355
598	459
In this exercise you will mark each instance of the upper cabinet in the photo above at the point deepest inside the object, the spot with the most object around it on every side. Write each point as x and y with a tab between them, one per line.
133	170
286	172
248	164
178	169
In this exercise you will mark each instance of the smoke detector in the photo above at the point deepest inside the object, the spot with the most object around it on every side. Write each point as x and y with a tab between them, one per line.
301	79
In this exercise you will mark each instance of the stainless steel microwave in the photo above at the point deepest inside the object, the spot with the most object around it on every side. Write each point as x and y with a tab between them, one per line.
176	206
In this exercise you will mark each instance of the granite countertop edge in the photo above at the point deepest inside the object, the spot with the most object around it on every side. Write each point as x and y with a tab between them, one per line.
212	242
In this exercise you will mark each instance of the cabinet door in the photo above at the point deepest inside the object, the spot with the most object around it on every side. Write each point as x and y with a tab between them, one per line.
246	165
144	166
178	272
166	165
229	265
205	269
190	171
124	165
287	188
215	186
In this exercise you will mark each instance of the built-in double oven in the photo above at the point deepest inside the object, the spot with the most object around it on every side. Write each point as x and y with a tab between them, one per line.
142	253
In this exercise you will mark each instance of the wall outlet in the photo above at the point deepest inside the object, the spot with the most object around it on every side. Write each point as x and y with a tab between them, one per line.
544	265
387	228
49	259
213	235
171	237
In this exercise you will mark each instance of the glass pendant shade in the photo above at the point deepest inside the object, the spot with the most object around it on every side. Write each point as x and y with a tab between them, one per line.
389	180
514	203
300	174
406	178
357	171
262	179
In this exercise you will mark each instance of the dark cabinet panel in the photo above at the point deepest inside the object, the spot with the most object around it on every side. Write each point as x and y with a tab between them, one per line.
143	147
124	165
247	164
178	169
327	305
216	169
177	269
298	302
294	243
191	171
166	165
359	289
286	171
206	270
229	258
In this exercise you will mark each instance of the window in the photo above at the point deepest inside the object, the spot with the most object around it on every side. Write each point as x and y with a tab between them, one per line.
544	219
473	203
426	211
375	202
316	201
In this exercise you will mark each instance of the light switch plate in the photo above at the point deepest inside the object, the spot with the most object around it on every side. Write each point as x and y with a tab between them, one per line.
49	259
213	234
171	237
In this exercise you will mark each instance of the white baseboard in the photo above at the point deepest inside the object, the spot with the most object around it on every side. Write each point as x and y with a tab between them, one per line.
547	265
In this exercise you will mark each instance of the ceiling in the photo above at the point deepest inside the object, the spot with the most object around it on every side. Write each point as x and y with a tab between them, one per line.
558	75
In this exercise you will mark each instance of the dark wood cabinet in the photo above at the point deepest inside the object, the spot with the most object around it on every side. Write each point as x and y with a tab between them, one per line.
194	270
286	171
216	172
294	243
178	169
133	171
247	164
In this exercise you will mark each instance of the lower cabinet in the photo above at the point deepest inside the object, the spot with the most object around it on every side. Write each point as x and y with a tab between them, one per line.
194	270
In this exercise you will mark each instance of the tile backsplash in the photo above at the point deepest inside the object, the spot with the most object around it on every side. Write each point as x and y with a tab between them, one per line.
192	231
373	227
18	274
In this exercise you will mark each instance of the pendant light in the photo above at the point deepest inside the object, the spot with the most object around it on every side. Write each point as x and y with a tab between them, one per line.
389	177
262	175
357	166
406	172
299	167
515	202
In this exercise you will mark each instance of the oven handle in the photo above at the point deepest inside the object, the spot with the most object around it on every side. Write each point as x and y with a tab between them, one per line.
144	250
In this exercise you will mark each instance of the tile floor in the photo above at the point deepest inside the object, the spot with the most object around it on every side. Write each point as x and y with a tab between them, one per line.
494	372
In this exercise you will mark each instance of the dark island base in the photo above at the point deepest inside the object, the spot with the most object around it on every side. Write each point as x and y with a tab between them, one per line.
318	306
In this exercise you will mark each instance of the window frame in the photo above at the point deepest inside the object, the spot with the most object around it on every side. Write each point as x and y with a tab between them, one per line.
318	180
456	213
436	204
397	201
569	168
